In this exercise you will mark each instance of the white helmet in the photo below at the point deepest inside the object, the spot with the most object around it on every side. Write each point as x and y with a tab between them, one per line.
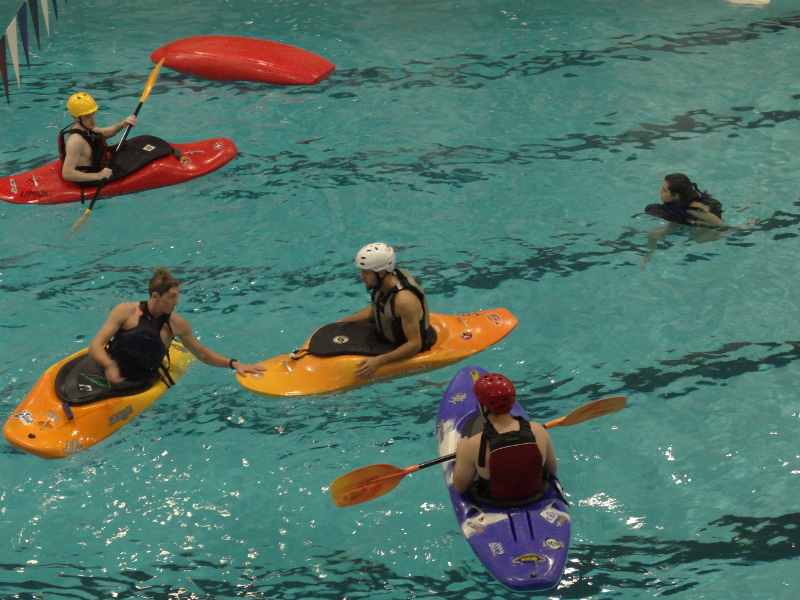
375	257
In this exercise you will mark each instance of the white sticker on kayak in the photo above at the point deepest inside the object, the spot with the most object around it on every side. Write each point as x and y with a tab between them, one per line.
218	146
25	417
553	544
72	447
476	526
460	397
496	548
480	524
149	148
552	515
341	339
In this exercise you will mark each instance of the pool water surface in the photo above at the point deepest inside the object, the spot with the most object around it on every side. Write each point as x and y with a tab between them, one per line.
507	151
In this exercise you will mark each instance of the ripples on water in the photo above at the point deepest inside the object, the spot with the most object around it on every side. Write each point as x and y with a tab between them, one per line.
508	158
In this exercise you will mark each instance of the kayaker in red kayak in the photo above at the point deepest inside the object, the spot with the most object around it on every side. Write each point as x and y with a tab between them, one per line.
83	148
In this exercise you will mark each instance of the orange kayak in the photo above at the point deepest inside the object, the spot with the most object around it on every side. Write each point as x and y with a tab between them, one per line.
40	424
458	337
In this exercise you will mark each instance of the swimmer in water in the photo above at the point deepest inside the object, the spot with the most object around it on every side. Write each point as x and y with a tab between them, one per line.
682	203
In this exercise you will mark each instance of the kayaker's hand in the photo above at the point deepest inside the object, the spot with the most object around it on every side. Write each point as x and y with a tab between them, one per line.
104	174
242	368
367	366
130	121
112	373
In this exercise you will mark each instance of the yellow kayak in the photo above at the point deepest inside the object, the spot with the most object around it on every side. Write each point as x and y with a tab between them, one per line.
44	425
458	336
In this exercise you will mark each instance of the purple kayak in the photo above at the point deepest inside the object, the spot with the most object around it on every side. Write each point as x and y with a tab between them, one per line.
525	547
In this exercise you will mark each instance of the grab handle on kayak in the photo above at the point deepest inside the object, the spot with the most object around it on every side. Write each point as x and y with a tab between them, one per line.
463	322
67	410
285	364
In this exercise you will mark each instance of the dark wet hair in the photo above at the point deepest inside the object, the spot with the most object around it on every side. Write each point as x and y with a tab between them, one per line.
687	190
162	282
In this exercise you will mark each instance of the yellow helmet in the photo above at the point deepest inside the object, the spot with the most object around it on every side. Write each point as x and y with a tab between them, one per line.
81	104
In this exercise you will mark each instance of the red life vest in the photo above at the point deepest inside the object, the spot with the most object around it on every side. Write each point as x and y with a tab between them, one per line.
515	462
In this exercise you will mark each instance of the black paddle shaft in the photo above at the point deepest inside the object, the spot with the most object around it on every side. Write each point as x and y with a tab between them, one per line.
114	158
436	461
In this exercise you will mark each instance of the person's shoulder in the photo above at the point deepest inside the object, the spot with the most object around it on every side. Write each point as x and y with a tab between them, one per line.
538	428
407	297
179	324
407	304
470	446
75	139
122	311
126	307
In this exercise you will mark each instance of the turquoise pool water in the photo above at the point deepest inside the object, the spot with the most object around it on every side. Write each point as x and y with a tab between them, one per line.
507	151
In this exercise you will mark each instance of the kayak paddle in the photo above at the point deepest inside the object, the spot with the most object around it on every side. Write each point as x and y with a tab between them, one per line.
149	86
373	481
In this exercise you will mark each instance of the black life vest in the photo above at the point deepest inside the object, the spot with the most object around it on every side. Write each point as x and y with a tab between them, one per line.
515	463
390	326
139	351
670	211
97	143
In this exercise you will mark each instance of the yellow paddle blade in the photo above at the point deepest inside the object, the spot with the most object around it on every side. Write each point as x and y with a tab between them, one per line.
590	410
367	483
151	81
79	223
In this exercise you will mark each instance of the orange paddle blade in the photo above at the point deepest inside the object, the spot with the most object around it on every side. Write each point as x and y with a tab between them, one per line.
151	81
79	223
590	410
367	483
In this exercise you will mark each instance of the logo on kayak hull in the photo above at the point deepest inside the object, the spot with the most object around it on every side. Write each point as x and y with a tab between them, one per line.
25	417
460	397
72	447
120	416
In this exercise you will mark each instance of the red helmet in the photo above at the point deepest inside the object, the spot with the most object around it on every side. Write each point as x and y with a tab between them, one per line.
495	392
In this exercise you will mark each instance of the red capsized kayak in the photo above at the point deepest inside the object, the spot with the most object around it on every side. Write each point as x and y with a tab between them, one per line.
44	185
230	58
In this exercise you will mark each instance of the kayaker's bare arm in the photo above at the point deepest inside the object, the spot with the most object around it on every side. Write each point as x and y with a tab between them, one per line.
112	130
97	348
79	154
466	459
408	307
183	331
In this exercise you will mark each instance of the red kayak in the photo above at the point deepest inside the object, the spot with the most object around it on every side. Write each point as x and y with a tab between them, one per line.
229	58
45	185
